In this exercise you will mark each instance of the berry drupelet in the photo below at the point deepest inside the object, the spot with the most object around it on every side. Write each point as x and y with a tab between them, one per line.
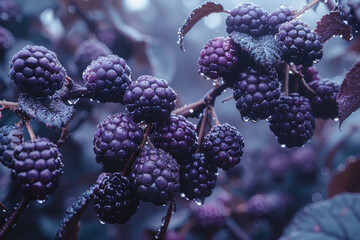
278	17
10	137
36	71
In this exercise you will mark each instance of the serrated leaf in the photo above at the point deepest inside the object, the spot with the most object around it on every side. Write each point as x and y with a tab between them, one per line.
196	15
263	50
69	226
331	25
347	180
348	98
333	219
51	111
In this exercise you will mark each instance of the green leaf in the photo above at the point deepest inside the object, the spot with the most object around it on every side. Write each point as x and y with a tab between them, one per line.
333	219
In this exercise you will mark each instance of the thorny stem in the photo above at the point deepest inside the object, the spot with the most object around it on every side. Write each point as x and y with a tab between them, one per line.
30	130
13	218
129	163
202	127
169	213
286	80
213	113
307	7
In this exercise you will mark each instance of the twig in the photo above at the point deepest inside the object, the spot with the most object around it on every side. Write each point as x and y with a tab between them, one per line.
9	104
171	210
129	163
227	99
30	130
149	142
307	7
202	127
286	80
213	113
304	83
64	135
13	218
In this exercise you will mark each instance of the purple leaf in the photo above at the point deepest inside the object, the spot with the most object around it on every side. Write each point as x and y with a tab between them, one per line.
331	25
51	111
197	14
348	98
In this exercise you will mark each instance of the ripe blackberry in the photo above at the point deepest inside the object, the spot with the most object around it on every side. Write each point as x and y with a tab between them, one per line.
6	41
107	78
177	136
150	99
267	205
278	17
293	122
115	139
197	177
349	13
248	18
211	214
37	168
323	102
88	51
223	145
299	44
155	175
256	94
36	71
9	11
10	137
114	199
303	162
219	58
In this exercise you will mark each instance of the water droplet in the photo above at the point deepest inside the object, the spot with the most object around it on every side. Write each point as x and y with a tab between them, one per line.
341	167
316	197
4	210
72	9
101	222
283	145
336	119
245	119
199	201
73	101
216	174
191	110
182	195
91	100
41	201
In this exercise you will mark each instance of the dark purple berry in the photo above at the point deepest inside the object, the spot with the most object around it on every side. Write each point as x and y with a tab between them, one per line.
9	11
115	139
279	166
10	137
293	122
114	199
36	71
303	161
211	214
223	145
248	18
107	78
278	17
6	41
271	206
155	175
150	99
37	168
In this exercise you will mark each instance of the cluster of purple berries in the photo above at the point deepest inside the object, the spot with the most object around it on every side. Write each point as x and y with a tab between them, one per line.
257	90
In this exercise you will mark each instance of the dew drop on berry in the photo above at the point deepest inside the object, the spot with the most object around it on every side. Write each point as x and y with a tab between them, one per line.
182	195
336	119
73	101
41	201
245	119
191	110
199	201
101	222
283	145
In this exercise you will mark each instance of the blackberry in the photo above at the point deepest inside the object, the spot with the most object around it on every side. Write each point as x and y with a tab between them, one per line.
150	99
36	71
107	78
279	166
114	199
349	13
271	205
256	94
155	175
323	102
88	51
115	139
219	58
299	44
211	214
278	17
248	18
177	136
223	145
303	162
6	41
293	122
10	137
37	168
197	177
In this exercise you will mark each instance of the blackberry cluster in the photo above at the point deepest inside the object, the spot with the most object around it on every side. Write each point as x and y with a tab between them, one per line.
37	168
150	99
6	41
107	78
248	18
177	136
278	17
299	44
197	177
267	205
256	94
293	122
36	71
223	145
114	199
10	137
323	101
211	214
115	139
88	51
219	59
155	175
350	13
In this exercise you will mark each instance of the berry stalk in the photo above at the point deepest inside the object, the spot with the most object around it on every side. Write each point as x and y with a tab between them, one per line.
286	79
13	218
169	213
202	127
307	7
30	131
213	113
